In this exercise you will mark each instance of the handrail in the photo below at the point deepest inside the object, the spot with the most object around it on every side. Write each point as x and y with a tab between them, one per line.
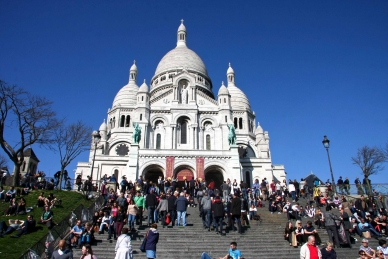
61	230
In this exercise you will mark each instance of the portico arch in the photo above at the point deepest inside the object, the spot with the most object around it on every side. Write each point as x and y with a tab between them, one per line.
152	173
216	173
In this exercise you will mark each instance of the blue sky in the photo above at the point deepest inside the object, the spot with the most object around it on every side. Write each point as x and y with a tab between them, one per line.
309	68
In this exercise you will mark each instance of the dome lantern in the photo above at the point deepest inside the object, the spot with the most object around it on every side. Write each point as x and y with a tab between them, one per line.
133	72
230	74
181	35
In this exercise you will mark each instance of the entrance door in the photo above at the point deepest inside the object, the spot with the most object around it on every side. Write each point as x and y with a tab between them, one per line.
216	176
182	175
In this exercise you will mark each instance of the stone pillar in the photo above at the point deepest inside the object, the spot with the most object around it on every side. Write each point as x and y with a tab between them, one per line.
173	137
133	162
201	138
152	133
234	164
195	138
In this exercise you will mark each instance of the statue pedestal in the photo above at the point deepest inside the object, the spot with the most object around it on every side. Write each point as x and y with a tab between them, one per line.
234	163
133	162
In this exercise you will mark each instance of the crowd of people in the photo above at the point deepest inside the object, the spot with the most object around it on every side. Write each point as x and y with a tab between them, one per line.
365	217
129	205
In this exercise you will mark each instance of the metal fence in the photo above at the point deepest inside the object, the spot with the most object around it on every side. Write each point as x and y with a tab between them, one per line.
44	247
353	189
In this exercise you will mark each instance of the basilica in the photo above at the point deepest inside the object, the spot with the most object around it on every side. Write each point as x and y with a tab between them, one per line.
177	128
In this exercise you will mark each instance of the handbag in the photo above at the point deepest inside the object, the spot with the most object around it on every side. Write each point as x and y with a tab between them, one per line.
143	244
96	229
366	234
168	218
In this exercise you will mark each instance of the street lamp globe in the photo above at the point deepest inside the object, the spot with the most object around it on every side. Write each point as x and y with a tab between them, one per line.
326	142
96	136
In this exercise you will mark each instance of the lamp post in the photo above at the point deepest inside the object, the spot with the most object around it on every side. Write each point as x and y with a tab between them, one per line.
326	144
96	139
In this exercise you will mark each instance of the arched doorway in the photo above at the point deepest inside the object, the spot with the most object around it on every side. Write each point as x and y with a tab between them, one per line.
182	173
214	173
151	173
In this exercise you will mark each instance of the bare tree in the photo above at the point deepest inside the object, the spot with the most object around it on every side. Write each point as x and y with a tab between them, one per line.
30	117
70	141
371	160
3	161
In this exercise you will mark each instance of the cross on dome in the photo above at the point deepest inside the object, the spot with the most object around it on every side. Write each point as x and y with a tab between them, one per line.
182	21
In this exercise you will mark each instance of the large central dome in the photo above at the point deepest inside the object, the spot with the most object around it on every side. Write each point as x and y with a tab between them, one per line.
181	57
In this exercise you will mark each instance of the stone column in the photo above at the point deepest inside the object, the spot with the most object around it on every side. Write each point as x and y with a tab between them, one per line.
173	137
133	162
195	138
201	138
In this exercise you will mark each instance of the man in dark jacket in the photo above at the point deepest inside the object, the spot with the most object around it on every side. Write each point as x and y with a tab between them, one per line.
151	202
235	211
181	206
206	205
219	212
244	210
330	226
172	207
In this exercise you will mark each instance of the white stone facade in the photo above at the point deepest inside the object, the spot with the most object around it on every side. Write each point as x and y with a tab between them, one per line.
181	119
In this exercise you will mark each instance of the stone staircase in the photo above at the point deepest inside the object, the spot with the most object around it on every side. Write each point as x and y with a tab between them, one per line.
261	240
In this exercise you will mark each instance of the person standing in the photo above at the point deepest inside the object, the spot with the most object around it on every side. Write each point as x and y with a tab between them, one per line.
192	186
132	212
123	248
163	208
225	191
206	205
62	252
172	207
152	240
330	226
151	202
104	192
181	206
140	203
235	211
309	250
219	212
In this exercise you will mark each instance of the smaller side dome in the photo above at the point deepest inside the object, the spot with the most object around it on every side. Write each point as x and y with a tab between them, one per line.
143	88
259	129
223	90
103	126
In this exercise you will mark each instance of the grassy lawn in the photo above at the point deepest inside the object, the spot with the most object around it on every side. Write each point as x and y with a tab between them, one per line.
13	248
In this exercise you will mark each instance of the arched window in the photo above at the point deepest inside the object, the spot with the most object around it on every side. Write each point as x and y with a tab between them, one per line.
158	140
114	122
224	100
142	98
208	145
122	121
184	132
240	124
226	118
128	121
24	166
235	123
141	116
